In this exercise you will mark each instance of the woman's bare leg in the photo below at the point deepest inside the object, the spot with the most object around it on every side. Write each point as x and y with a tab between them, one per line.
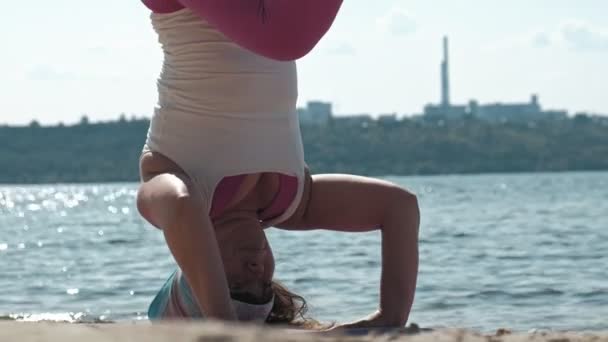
170	202
354	204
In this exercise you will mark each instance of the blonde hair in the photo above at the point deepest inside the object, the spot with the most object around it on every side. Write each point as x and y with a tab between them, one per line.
290	309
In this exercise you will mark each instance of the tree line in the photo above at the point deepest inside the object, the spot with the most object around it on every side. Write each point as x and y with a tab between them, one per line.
109	151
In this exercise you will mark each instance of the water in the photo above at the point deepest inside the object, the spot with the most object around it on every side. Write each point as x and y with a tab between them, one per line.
524	251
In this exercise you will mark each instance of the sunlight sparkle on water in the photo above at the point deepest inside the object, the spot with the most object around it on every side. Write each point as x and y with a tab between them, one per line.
72	291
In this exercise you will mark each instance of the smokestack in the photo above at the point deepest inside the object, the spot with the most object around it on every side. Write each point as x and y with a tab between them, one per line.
445	75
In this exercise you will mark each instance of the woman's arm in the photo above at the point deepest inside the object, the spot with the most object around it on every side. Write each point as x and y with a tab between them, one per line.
277	29
170	201
355	204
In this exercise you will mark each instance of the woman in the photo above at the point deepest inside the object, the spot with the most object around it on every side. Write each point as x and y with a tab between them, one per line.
223	160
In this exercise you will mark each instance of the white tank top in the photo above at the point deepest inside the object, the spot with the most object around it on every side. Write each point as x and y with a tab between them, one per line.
223	110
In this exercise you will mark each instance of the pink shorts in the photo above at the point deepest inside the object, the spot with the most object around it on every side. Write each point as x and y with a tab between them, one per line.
228	186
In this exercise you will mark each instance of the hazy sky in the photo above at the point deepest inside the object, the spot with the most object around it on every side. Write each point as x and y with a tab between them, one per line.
65	58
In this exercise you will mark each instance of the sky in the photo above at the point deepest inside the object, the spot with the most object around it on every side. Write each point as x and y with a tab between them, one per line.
63	59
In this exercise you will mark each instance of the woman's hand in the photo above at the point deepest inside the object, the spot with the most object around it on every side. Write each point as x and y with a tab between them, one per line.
374	320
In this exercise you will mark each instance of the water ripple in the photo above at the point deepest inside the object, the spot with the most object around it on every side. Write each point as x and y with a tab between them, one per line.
527	248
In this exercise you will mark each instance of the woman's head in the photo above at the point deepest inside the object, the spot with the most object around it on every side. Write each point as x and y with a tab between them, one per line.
247	257
249	266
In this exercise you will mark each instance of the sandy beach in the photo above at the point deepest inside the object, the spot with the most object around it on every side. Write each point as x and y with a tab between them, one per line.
218	332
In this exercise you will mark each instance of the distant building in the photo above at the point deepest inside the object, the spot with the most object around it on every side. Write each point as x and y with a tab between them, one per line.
555	114
508	111
515	112
315	113
499	112
362	120
447	112
445	76
445	109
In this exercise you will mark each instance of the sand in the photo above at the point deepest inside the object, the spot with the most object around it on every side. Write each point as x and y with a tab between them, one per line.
219	332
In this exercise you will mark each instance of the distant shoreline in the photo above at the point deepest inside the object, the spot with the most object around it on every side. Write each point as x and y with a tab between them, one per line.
109	152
